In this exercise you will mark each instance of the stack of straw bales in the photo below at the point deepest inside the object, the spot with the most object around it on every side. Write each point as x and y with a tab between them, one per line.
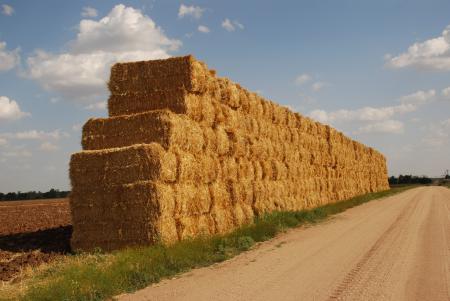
185	153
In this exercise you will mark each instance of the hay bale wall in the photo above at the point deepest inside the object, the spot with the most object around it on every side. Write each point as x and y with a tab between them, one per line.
185	153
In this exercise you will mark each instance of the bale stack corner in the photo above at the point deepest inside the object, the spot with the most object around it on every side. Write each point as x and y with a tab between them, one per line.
185	153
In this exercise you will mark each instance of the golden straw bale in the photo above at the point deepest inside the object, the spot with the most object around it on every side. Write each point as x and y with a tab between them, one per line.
187	226
229	169
244	96
163	127
221	208
258	170
122	165
186	153
168	74
255	107
177	101
229	93
191	200
245	169
222	141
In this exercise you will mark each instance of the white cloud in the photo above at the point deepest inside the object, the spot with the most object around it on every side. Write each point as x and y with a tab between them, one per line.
89	12
96	106
125	34
363	114
302	79
317	86
193	11
203	29
77	127
17	153
10	110
7	10
437	134
446	93
48	147
431	54
237	24
306	99
418	98
229	25
387	126
446	124
320	115
408	103
35	135
8	59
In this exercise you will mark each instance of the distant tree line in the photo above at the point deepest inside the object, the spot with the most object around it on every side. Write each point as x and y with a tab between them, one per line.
33	195
409	179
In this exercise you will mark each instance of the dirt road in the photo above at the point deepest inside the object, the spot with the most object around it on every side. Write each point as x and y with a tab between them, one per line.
397	248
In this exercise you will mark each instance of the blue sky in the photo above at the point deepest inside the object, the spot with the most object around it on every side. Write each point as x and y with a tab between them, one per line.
377	70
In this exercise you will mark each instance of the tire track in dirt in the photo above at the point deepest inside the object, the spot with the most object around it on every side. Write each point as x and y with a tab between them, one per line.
368	264
377	251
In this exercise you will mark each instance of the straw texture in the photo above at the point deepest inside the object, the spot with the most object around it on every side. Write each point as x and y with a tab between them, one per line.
186	153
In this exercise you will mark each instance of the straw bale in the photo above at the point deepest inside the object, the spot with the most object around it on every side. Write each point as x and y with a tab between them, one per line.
239	144
240	216
255	107
229	169
221	208
159	75
191	200
222	141
122	165
186	153
178	101
230	94
162	127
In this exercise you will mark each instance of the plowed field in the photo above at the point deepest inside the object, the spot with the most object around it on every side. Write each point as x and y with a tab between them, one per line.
31	233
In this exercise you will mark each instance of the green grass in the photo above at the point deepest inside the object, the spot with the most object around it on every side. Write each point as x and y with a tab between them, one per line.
99	276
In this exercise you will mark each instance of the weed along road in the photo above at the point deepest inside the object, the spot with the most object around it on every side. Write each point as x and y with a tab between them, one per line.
396	248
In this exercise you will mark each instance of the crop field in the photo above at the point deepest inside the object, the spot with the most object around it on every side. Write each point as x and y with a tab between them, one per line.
31	233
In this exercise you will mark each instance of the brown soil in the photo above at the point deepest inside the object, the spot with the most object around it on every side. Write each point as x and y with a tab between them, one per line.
31	233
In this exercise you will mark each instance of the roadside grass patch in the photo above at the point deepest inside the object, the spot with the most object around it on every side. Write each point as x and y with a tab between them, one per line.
98	276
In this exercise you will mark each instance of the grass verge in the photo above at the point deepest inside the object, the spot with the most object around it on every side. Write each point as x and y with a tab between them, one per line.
99	276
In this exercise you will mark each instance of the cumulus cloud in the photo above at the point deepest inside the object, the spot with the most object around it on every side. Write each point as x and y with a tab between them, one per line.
17	153
89	12
302	79
7	10
77	127
432	54
229	25
438	134
192	11
408	103
96	106
317	86
203	29
387	126
8	58
446	93
418	98
363	114
35	135
125	34
10	110
48	147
